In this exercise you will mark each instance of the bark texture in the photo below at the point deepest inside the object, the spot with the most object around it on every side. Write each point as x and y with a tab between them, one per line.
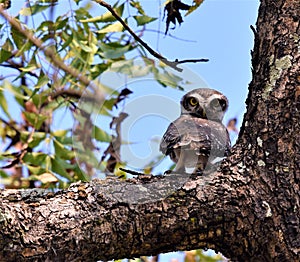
249	210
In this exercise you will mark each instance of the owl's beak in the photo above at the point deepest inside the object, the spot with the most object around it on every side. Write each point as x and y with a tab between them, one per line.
204	113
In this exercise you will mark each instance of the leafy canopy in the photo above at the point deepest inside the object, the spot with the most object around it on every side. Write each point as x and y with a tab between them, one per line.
51	61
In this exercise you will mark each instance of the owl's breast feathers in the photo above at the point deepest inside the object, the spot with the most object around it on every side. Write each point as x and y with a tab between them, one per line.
203	136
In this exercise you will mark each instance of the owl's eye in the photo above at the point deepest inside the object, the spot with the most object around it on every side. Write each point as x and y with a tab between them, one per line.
193	101
215	103
223	104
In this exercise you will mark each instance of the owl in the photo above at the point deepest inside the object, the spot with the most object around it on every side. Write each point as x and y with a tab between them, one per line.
198	139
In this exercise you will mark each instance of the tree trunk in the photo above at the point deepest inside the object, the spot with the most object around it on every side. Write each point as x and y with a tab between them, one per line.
249	210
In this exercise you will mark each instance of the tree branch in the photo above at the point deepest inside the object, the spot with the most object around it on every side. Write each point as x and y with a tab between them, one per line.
47	51
144	44
120	219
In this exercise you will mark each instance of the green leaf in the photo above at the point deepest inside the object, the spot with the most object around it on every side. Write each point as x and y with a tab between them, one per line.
3	104
61	151
48	163
60	133
123	66
25	47
166	78
37	138
129	68
100	135
42	81
116	27
68	39
65	140
109	103
34	9
16	91
80	175
85	46
98	69
35	158
65	164
113	50
58	168
35	170
208	258
36	120
8	45
5	51
28	68
3	174
138	6
106	17
19	39
59	24
45	26
143	19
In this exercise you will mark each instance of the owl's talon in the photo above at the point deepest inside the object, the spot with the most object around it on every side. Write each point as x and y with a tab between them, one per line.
168	172
196	174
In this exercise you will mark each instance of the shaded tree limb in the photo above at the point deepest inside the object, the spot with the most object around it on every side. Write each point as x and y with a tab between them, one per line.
172	64
91	214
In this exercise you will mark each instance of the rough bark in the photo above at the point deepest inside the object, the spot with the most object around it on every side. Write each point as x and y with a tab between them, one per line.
249	210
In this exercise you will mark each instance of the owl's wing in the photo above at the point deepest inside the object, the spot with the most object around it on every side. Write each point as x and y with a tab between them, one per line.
170	139
203	136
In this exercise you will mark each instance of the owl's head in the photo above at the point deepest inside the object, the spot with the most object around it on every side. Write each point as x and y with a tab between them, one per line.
204	103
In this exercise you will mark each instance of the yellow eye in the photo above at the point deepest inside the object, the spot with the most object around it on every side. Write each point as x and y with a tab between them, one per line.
193	101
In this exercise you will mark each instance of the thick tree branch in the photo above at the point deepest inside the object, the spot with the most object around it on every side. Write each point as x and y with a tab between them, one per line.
145	45
119	219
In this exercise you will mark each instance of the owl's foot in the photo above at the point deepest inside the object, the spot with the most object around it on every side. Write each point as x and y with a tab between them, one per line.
169	172
196	174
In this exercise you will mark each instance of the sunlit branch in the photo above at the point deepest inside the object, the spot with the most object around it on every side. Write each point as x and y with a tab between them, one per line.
172	64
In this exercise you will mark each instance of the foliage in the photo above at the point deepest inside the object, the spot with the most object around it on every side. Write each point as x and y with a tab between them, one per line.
46	79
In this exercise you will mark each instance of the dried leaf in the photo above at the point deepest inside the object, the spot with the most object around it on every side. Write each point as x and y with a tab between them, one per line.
231	125
47	178
113	149
124	93
173	12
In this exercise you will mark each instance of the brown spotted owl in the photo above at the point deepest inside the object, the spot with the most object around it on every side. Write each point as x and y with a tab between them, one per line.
198	137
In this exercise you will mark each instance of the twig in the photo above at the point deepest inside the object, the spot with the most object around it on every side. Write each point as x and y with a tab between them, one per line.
16	139
67	92
169	35
253	30
131	172
47	51
191	60
144	44
12	64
